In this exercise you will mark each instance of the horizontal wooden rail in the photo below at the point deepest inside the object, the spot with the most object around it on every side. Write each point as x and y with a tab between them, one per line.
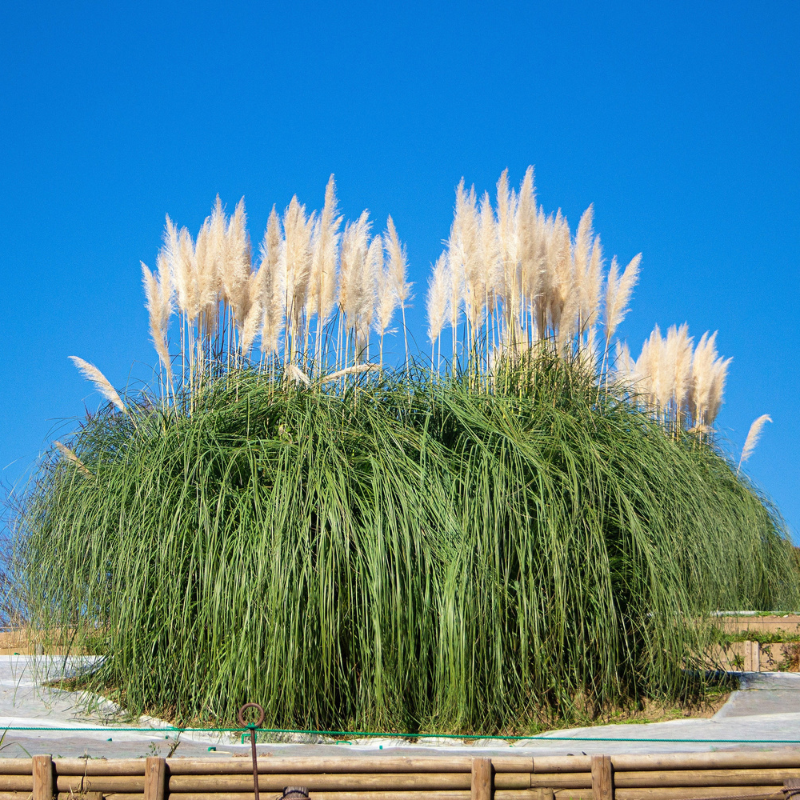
701	793
338	782
677	776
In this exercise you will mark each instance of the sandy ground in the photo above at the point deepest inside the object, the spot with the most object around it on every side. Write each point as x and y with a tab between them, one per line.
763	714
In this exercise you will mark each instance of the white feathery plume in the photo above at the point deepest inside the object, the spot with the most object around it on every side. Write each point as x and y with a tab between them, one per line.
668	368
171	252
719	374
647	368
618	293
355	243
490	253
372	269
581	254
297	230
386	291
272	283
101	383
209	257
237	265
354	370
541	299
186	254
702	376
683	368
564	297
325	251
438	298
398	262
255	313
624	365
70	456
593	287
528	241
753	435
294	374
457	252
158	292
507	233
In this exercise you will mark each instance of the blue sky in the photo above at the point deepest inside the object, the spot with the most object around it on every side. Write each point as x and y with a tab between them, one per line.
679	121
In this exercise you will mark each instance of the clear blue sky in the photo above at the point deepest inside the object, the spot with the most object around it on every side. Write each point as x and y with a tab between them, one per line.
679	121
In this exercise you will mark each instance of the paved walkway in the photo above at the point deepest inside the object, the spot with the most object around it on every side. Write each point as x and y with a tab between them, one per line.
766	708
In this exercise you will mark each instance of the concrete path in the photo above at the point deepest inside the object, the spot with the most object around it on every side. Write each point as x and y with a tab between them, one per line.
763	712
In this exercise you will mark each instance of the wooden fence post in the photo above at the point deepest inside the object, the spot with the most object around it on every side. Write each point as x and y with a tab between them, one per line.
481	779
43	784
602	778
155	778
752	656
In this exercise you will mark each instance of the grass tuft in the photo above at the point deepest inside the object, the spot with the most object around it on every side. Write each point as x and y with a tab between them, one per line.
395	551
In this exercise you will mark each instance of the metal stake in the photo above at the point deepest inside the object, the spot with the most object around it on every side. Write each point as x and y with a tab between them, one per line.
252	727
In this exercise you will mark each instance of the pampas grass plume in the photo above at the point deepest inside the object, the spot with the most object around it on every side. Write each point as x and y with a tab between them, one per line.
618	293
101	383
354	370
296	375
70	456
753	435
437	298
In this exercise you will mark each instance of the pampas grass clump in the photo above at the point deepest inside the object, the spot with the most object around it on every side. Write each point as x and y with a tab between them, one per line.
532	526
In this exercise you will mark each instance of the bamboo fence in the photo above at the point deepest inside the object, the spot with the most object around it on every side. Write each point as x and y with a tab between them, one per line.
727	776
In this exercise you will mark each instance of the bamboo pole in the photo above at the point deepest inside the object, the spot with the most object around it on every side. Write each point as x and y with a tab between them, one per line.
602	778
523	794
561	780
84	796
705	777
370	764
740	760
343	782
481	779
16	783
562	764
96	766
100	783
420	795
16	766
701	793
42	778
111	796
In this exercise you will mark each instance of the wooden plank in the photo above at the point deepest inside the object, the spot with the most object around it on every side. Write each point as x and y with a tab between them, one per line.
84	796
373	764
522	794
155	778
705	777
410	795
561	780
16	766
573	794
742	759
99	766
360	782
481	779
562	764
16	783
100	783
700	792
602	778
43	788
